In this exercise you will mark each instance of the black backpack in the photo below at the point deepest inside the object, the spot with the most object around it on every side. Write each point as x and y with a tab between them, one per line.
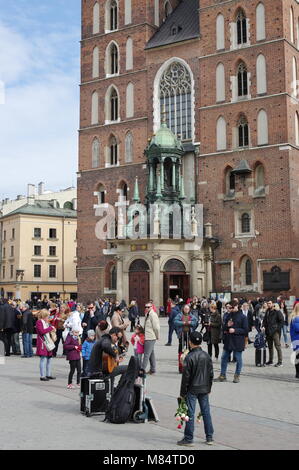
121	407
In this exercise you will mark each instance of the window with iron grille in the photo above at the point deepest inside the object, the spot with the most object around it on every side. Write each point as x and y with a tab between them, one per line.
52	251
175	100
245	223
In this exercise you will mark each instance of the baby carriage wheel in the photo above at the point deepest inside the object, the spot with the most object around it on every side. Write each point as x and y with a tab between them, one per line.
137	417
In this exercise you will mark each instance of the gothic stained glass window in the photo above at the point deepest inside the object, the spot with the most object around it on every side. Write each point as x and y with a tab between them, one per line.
241	28
175	100
113	16
242	80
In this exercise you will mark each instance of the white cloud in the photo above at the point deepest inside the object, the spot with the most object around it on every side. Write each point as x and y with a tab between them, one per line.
40	117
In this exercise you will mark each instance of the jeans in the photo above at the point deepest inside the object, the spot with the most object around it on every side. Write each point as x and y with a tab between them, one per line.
139	358
45	366
15	343
27	344
203	400
276	340
285	333
170	333
149	355
224	361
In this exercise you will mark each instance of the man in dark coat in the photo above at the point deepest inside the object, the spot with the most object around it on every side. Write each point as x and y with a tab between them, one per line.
90	320
196	385
235	329
7	325
27	330
273	324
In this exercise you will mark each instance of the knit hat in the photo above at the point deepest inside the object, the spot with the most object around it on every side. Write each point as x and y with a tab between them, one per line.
90	333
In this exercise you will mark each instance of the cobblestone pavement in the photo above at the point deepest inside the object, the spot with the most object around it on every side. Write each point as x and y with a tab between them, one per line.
261	412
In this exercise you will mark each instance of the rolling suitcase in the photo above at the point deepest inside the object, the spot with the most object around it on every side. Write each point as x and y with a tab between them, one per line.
260	357
95	395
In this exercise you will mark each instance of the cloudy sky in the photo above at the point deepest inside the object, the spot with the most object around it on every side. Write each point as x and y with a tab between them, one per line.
39	69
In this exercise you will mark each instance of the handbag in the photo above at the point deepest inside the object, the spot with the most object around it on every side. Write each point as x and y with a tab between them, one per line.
49	343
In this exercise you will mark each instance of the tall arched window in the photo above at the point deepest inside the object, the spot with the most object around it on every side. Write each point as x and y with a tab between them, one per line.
113	105
128	11
113	151
243	132
220	39
112	59
130	101
245	223
241	21
220	83
95	108
96	18
113	278
95	63
111	15
129	54
167	9
95	153
123	191
292	25
221	133
260	22
297	128
262	128
242	80
175	98
295	78
261	75
230	182
129	148
248	272
259	179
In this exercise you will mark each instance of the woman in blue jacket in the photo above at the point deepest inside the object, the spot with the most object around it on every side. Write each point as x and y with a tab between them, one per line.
86	350
294	332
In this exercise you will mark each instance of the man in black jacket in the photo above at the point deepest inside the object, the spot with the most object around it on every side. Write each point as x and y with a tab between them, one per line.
273	324
196	384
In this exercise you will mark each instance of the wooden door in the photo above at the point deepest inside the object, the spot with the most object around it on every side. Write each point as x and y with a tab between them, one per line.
139	288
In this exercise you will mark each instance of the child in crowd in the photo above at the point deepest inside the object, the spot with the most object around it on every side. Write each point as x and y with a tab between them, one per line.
72	347
86	350
137	340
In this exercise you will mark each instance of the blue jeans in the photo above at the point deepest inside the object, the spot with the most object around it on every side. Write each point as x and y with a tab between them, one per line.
285	333
170	333
224	361
27	344
45	366
203	400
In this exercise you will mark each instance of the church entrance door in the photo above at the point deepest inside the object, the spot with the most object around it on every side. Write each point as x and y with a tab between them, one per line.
139	283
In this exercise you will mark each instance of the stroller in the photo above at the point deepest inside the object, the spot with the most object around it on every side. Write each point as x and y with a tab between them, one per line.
144	409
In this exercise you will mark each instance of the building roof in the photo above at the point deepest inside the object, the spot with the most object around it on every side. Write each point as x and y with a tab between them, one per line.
43	208
165	138
181	25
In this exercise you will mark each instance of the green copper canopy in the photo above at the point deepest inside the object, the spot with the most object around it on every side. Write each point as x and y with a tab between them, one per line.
165	138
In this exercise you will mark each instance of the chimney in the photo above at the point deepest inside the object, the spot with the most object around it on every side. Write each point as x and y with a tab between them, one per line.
41	188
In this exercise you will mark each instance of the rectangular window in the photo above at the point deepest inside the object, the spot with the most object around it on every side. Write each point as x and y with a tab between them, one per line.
3	272
13	233
37	270
4	235
12	251
4	252
11	271
53	233
37	250
37	233
52	271
52	251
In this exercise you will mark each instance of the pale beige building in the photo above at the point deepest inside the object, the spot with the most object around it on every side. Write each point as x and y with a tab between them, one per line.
38	249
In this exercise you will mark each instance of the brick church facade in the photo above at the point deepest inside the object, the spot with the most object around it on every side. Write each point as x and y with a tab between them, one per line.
224	74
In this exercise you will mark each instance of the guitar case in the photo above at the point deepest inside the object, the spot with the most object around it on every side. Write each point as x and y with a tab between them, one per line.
123	400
